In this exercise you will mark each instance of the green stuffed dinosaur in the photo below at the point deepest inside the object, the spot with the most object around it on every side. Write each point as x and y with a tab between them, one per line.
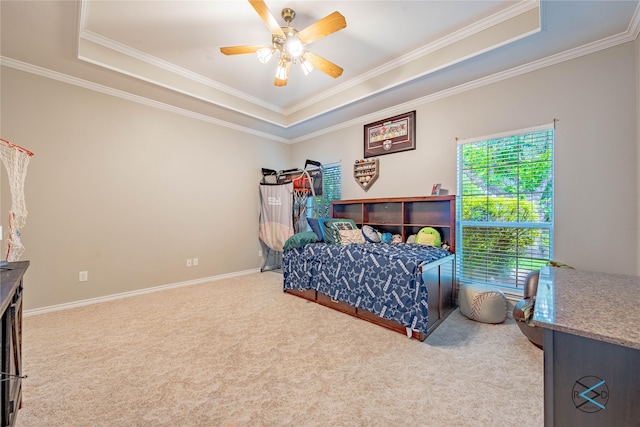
428	236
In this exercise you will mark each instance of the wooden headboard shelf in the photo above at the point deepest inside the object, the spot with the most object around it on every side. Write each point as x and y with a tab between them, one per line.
402	215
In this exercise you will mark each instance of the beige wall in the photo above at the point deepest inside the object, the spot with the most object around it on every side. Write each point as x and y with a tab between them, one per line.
637	44
128	192
596	161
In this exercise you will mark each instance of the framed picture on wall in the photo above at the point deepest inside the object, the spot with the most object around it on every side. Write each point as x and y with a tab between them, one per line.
390	135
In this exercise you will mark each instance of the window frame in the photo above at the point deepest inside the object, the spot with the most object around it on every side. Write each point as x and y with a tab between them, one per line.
472	273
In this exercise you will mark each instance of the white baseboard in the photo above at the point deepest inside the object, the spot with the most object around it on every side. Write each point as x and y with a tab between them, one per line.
98	300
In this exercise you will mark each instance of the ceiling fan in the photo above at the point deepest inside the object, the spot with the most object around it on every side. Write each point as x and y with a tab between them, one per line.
289	44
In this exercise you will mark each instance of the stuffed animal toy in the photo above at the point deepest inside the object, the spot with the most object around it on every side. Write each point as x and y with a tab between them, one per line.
387	237
428	236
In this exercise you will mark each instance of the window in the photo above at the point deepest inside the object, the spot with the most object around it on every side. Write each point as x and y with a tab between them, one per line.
505	207
332	182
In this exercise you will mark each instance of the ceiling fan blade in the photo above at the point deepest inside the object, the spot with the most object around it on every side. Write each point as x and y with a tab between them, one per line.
325	26
283	82
235	50
323	65
266	15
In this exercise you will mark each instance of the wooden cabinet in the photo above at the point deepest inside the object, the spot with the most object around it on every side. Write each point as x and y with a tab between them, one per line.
404	216
11	386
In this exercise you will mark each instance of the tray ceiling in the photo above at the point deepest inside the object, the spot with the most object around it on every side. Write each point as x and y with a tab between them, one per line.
393	53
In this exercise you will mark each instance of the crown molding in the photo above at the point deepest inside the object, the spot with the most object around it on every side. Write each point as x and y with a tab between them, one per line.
75	81
491	21
634	25
612	41
84	34
629	35
168	66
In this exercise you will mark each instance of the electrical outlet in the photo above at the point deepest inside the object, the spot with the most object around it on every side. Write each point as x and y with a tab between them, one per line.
83	276
259	252
188	262
195	261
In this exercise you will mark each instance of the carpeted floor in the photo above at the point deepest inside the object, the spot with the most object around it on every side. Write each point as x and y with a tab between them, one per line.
240	352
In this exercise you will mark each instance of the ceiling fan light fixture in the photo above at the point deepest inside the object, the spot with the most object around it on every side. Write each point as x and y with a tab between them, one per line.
293	46
281	71
306	67
289	44
264	54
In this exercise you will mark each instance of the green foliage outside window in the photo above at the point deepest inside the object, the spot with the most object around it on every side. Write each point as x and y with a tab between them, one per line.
500	246
506	206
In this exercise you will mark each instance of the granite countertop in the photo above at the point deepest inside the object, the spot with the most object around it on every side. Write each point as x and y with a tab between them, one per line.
600	306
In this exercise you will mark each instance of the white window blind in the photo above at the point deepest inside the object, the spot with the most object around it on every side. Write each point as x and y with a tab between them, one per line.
332	185
505	206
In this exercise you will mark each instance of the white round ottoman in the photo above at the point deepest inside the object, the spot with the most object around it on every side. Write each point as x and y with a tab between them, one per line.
482	303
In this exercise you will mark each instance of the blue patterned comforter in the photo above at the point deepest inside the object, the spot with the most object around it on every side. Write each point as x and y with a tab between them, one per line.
384	279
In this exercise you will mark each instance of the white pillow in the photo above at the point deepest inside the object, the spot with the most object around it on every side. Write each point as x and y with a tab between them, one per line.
351	236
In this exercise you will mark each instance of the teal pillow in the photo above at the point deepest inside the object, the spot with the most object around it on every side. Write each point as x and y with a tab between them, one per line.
298	240
331	227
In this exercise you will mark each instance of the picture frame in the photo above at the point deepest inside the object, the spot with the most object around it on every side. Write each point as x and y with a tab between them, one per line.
392	135
435	190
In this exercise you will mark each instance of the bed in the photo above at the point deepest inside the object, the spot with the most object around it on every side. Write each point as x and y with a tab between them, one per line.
406	287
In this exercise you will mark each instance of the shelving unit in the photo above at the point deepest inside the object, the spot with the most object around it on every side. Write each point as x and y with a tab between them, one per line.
402	215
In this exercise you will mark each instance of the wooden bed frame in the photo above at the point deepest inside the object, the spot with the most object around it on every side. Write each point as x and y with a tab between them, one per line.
439	277
404	216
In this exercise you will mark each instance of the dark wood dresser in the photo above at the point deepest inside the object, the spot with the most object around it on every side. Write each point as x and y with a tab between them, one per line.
11	277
